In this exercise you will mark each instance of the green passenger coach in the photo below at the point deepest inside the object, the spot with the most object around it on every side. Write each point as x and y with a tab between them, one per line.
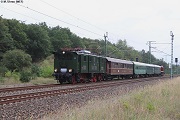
146	70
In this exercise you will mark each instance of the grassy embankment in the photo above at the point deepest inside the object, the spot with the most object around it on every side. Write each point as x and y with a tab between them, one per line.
41	73
158	102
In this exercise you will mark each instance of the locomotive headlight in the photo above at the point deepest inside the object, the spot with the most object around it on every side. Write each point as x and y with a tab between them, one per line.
70	70
55	70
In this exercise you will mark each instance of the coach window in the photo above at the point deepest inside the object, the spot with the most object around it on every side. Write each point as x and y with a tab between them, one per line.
116	65
122	65
127	66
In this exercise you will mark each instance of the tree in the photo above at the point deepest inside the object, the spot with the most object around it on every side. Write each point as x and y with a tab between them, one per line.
76	41
38	45
60	37
122	44
6	41
18	34
16	60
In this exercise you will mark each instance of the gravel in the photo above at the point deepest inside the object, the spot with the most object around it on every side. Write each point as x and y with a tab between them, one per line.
38	108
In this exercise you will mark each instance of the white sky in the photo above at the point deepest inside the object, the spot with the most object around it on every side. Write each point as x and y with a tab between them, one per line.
137	21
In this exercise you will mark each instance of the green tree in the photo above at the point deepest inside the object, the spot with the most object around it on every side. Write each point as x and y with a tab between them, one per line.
18	34
145	56
39	45
122	44
6	41
60	37
16	60
76	41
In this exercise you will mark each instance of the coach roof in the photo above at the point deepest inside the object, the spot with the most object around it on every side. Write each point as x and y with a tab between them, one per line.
118	60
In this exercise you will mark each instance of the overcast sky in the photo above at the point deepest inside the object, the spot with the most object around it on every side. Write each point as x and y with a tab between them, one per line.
137	21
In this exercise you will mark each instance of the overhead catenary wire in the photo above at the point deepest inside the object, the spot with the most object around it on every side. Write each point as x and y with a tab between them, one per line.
59	20
83	20
65	21
86	21
161	51
82	28
74	16
21	14
33	18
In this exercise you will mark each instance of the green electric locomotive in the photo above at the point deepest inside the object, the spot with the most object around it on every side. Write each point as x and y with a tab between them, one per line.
78	66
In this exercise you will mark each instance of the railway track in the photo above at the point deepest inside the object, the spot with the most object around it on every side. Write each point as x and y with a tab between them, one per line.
14	89
29	96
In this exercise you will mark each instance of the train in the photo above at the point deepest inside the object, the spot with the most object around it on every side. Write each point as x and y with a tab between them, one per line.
78	66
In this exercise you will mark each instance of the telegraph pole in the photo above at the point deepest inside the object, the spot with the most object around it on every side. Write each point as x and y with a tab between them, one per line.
149	43
172	38
105	36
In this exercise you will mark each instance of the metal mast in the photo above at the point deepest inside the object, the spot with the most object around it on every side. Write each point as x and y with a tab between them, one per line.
105	36
172	38
149	43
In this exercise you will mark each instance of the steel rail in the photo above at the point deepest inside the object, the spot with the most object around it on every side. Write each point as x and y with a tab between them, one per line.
13	89
23	97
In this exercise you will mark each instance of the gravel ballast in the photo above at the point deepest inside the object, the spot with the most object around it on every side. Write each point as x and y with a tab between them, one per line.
38	108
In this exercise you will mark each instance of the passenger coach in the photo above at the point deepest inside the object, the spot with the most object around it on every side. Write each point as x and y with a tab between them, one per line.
117	68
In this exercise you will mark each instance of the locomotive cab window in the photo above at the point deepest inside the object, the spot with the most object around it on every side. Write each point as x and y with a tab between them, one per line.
85	58
90	59
94	59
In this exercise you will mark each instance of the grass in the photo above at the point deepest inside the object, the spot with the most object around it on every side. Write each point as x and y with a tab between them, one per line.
38	81
41	80
44	70
158	102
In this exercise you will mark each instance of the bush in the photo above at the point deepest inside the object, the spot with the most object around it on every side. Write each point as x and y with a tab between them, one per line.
1	79
8	74
25	76
35	70
3	70
16	60
15	75
46	71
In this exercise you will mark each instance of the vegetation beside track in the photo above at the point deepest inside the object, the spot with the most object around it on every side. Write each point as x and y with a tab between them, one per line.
157	102
24	46
40	73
